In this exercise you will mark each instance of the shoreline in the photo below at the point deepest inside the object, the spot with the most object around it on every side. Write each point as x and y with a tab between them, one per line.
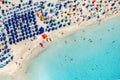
27	50
37	50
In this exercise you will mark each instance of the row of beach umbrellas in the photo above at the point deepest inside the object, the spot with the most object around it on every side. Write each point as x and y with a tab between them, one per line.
5	56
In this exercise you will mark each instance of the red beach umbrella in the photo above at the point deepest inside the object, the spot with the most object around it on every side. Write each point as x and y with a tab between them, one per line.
94	0
44	36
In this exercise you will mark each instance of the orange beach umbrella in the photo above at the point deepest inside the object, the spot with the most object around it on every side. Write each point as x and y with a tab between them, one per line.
0	21
44	36
37	14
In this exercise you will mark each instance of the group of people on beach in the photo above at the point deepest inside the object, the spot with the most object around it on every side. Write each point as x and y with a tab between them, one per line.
53	16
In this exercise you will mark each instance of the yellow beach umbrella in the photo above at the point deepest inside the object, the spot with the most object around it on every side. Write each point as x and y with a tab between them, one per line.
69	13
42	18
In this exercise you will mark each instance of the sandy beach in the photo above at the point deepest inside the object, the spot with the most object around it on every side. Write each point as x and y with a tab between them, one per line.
28	49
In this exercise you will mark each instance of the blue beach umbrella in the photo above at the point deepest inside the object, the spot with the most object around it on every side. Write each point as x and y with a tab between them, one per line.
3	11
48	4
51	10
0	61
5	52
0	16
65	4
49	30
11	57
56	13
31	35
57	5
8	50
60	25
78	3
41	30
1	65
7	62
42	2
0	25
30	1
53	28
20	39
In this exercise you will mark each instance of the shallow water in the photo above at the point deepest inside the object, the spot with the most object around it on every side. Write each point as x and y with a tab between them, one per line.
93	53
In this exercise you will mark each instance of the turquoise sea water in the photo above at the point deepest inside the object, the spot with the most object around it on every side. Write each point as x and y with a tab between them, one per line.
92	53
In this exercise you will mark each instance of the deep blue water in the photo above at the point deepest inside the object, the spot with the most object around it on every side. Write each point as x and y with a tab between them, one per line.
92	53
